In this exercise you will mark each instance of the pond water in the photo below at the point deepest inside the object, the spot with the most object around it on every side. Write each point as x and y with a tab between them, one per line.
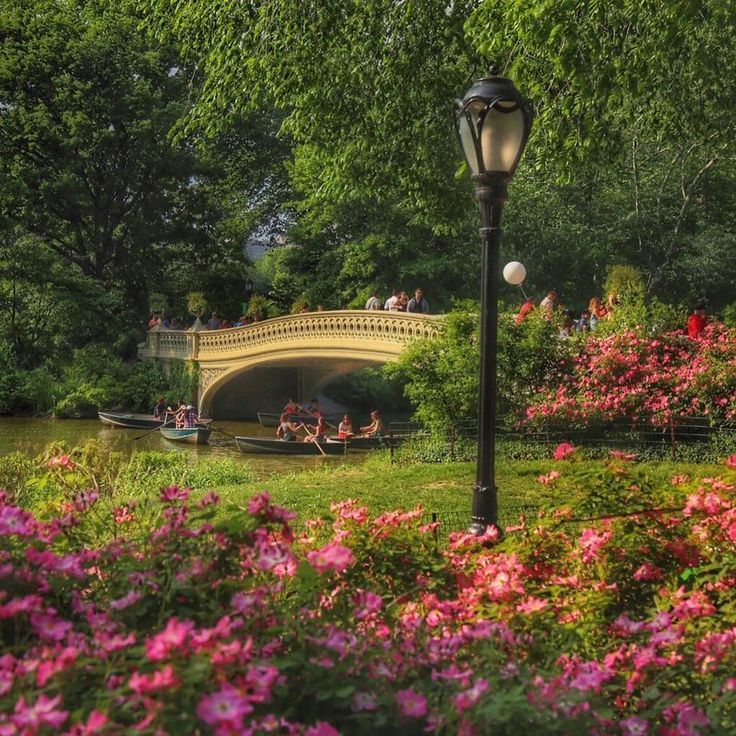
31	436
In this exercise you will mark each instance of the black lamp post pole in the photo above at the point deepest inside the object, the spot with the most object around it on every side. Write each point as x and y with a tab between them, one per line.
492	121
491	196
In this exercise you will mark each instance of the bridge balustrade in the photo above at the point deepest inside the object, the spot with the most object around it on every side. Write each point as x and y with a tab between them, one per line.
393	327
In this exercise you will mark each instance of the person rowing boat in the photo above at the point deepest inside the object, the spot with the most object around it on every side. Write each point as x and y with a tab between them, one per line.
287	429
320	431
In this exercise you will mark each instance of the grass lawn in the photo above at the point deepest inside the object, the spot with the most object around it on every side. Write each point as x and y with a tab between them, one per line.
444	489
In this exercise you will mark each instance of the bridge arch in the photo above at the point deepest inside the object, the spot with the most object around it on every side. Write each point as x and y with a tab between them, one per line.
319	345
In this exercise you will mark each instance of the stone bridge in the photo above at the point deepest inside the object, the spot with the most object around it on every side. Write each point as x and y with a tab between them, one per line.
243	370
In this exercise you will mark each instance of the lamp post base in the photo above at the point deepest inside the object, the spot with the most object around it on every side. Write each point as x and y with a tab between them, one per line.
485	511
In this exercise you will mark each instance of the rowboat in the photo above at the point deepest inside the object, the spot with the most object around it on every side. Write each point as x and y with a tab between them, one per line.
367	443
190	435
273	420
264	446
129	421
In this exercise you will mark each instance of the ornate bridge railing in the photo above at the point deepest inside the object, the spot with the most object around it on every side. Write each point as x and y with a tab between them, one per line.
392	327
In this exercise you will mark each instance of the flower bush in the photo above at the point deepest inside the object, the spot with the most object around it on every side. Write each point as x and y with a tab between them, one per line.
612	613
632	377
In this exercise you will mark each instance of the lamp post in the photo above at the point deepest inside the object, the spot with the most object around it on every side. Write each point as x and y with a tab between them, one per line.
493	122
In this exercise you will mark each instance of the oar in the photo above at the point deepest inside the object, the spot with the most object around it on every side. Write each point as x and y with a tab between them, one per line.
151	430
316	442
217	429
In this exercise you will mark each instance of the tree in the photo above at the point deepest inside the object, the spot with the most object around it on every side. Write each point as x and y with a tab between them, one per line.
85	160
366	89
631	156
642	91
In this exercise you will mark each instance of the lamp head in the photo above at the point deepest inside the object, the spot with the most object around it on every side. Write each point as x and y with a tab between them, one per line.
493	122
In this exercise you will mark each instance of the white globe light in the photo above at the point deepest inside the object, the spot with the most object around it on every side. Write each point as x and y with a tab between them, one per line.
514	273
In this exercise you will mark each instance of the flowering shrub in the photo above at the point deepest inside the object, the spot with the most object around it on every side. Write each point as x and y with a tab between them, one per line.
628	376
614	614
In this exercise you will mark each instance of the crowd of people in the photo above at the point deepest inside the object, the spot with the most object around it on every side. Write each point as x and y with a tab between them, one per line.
182	417
399	301
598	310
309	417
158	320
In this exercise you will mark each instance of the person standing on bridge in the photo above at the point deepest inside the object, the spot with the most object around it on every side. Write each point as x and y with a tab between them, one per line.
374	303
418	304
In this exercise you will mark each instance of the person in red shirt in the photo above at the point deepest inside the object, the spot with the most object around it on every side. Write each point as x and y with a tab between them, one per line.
697	321
526	307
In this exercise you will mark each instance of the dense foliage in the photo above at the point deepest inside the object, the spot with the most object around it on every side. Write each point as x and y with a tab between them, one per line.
441	374
617	617
94	378
642	379
366	89
102	215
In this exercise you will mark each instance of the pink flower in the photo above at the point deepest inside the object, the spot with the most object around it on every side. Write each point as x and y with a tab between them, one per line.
209	499
225	706
366	603
171	638
563	451
532	604
468	698
647	571
122	515
548	479
731	461
275	557
321	729
48	627
15	521
130	598
634	726
259	503
591	542
332	557
95	723
590	676
43	713
85	499
247	601
411	704
61	461
159	680
59	662
171	494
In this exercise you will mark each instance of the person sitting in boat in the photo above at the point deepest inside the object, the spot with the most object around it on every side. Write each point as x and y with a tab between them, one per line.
190	416
345	428
320	431
286	430
160	409
375	428
179	420
292	408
